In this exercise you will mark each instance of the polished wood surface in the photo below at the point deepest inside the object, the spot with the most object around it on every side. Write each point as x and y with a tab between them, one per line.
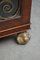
10	27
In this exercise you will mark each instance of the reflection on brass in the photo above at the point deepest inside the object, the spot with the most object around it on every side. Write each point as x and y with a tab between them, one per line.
23	38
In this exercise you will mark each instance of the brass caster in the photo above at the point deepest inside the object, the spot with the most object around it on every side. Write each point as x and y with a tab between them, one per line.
23	38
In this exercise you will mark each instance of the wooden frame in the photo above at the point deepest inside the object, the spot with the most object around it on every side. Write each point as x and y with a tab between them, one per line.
13	26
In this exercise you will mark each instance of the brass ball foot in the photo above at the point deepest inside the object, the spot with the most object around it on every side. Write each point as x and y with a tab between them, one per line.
23	38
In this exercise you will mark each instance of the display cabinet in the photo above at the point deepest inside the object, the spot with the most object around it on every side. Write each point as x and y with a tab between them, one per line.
15	19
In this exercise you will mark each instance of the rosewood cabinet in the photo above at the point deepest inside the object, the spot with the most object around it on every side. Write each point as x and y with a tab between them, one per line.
15	18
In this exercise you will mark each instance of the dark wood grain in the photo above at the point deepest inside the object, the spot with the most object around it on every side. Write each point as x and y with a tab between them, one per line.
5	26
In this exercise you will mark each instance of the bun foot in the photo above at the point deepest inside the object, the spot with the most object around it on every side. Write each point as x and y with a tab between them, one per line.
23	38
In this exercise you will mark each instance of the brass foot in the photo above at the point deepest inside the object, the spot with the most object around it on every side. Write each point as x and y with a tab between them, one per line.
23	38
